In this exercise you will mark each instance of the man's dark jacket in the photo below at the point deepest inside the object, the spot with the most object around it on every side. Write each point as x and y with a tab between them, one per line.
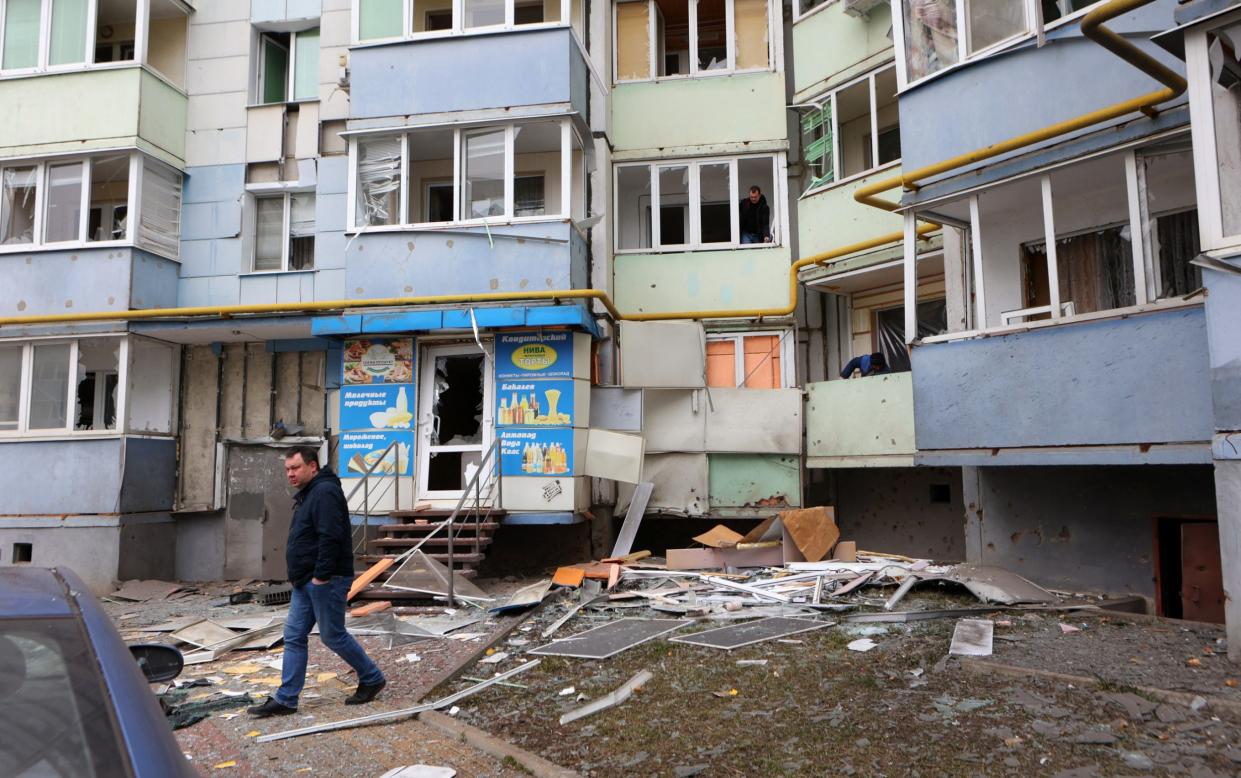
755	218
320	538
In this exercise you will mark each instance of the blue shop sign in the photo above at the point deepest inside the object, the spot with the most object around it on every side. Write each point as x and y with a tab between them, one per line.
376	406
536	452
524	355
359	450
534	403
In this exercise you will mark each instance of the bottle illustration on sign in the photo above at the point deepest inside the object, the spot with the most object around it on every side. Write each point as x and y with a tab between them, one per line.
530	410
551	459
396	416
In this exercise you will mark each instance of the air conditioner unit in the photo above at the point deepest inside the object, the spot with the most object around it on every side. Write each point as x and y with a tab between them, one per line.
862	7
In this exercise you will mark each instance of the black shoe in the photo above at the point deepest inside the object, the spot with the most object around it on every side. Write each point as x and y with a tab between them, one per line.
270	708
365	693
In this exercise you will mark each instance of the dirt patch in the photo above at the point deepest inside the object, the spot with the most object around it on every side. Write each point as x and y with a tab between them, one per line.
902	709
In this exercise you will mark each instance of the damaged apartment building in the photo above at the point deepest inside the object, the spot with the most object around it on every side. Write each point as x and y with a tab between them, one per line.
535	255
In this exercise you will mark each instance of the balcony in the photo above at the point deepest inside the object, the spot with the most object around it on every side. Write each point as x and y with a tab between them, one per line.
699	112
111	107
507	71
861	422
1126	390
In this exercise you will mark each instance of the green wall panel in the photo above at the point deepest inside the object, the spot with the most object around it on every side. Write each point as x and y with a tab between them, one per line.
753	481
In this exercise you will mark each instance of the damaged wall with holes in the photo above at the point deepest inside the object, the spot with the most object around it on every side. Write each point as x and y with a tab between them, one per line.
1080	528
89	279
710	451
242	403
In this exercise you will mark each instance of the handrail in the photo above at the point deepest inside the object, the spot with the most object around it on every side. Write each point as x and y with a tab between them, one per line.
1091	27
365	485
473	483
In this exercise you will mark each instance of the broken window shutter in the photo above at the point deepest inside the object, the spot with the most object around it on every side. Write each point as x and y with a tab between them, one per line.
159	224
818	151
379	178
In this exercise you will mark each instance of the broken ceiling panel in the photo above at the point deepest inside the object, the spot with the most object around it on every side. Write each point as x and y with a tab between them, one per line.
673	420
680	484
614	455
753	421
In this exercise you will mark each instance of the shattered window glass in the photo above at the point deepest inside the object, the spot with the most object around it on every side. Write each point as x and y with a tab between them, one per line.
930	36
379	182
20	193
98	361
484	174
10	386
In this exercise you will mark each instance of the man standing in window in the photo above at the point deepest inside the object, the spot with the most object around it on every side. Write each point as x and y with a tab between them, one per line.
755	217
319	554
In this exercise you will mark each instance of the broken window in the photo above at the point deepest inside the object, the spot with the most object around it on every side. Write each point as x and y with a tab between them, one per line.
1058	9
500	172
284	232
431	191
97	371
1169	216
930	36
378	182
751	361
159	224
701	204
853	129
59	386
1224	58
17	208
380	19
691	37
803	7
932	319
288	66
108	207
114	31
1094	270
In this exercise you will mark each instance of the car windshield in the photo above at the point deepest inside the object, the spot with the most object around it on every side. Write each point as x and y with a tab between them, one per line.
54	715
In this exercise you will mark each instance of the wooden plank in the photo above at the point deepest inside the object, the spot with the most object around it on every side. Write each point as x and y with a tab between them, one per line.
362	581
369	608
569	576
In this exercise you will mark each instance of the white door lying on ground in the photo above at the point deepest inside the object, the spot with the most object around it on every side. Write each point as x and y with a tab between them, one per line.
454	419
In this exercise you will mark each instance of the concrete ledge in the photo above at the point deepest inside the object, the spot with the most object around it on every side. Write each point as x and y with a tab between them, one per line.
500	749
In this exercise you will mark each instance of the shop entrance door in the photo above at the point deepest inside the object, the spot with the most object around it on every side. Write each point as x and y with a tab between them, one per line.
455	387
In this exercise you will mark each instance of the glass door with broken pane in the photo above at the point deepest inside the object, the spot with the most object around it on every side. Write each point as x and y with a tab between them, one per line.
454	419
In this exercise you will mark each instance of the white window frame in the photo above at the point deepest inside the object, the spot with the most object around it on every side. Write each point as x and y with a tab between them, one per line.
41	166
286	198
1202	127
653	64
831	97
784	343
799	14
260	57
24	431
458	22
1145	267
568	133
1034	29
141	42
779	223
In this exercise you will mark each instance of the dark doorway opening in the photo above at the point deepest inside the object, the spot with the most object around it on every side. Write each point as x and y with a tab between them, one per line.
1189	581
458	410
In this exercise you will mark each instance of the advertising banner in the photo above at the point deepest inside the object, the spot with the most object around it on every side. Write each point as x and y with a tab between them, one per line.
359	450
376	406
536	452
526	355
534	403
378	361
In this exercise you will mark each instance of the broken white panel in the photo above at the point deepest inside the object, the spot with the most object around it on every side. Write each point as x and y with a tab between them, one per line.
535	493
153	369
616	408
680	485
265	133
972	637
306	142
754	421
663	354
614	455
307	174
674	420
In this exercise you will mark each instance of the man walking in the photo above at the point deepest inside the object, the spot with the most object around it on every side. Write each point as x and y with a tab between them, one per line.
320	565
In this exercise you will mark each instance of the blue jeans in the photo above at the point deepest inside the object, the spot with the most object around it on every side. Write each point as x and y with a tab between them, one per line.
751	237
323	604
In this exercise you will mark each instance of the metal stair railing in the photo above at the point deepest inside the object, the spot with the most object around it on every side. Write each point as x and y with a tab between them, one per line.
490	462
365	486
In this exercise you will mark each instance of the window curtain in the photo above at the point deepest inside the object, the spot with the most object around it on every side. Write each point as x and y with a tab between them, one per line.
302	232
